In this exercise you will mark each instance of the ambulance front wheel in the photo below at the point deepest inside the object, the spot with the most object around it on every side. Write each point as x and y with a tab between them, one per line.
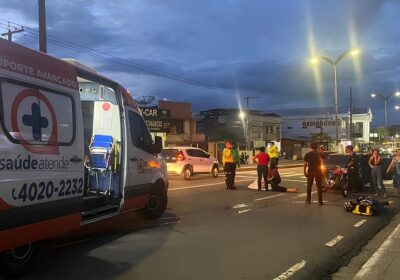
157	203
16	262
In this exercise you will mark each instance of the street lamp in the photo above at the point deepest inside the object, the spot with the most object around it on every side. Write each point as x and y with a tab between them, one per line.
385	99
315	60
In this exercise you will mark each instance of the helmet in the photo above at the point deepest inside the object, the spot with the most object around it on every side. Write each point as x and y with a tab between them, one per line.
360	198
349	206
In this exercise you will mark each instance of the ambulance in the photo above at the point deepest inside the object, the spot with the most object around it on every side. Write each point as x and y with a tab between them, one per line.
74	149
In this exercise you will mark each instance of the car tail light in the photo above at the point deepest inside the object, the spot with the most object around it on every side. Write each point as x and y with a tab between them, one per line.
180	156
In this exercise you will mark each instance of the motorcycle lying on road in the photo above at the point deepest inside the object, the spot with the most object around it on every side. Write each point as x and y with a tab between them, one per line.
335	178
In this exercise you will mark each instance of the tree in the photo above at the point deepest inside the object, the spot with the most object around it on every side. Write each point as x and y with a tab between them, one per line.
383	132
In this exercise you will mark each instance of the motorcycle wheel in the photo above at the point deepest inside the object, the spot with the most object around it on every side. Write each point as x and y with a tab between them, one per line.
324	184
345	188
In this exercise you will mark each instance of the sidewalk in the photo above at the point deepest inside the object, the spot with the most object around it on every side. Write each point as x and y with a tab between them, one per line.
385	262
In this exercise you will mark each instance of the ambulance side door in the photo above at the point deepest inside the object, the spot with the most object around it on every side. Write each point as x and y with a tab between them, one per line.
138	142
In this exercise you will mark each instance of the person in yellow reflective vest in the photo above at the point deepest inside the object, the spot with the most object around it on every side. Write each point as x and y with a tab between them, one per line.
229	162
273	153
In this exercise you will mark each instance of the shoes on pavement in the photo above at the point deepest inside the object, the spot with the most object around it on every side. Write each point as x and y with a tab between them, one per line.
308	201
321	203
233	188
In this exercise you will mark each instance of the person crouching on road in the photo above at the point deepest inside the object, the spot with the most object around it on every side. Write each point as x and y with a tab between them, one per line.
312	170
275	179
262	159
229	163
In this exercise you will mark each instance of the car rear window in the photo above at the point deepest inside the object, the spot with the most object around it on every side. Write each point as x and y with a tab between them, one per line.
170	154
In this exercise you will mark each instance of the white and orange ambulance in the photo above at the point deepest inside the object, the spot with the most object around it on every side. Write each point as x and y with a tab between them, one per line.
74	149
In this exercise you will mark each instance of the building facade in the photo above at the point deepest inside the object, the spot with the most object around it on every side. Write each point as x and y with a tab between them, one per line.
319	125
249	129
173	121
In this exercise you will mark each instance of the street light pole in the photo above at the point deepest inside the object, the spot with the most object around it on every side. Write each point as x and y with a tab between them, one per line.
336	106
335	91
385	99
385	112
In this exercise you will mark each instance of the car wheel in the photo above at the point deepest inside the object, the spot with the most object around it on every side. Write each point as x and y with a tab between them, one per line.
187	173
16	262
157	203
215	172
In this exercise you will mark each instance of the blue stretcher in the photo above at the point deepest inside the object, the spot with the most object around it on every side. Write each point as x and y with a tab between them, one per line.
101	166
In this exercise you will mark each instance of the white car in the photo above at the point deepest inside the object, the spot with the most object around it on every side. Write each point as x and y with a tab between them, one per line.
187	161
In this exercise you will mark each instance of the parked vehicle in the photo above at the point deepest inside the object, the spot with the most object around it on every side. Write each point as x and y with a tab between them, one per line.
74	148
188	161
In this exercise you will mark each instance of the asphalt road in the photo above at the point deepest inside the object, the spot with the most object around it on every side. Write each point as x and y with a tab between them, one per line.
212	233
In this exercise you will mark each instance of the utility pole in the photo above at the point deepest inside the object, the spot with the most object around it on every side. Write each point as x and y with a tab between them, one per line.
247	98
10	32
351	117
42	26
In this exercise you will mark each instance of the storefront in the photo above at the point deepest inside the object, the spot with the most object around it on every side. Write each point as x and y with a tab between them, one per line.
173	122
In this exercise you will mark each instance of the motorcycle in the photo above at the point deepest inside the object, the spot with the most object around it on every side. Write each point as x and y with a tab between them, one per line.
335	178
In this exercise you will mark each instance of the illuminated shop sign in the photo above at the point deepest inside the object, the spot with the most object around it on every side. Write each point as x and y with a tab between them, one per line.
319	123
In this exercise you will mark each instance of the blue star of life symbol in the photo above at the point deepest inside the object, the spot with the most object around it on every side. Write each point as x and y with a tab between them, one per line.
36	121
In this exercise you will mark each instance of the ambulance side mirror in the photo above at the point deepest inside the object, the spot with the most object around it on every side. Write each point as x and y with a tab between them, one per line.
157	148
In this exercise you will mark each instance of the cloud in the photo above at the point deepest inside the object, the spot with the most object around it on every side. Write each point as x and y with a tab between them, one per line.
243	47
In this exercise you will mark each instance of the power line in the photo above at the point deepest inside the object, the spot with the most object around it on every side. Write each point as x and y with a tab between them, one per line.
113	59
247	98
10	32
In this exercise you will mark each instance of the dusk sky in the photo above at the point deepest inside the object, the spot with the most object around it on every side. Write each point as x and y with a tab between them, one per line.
216	52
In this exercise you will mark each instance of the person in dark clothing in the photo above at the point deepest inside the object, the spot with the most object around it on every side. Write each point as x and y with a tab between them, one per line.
312	170
275	179
353	169
262	159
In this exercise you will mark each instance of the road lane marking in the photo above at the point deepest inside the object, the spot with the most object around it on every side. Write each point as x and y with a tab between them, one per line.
252	177
291	271
268	197
243	211
294	180
205	185
360	223
291	175
169	223
378	261
305	194
242	205
314	201
334	241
